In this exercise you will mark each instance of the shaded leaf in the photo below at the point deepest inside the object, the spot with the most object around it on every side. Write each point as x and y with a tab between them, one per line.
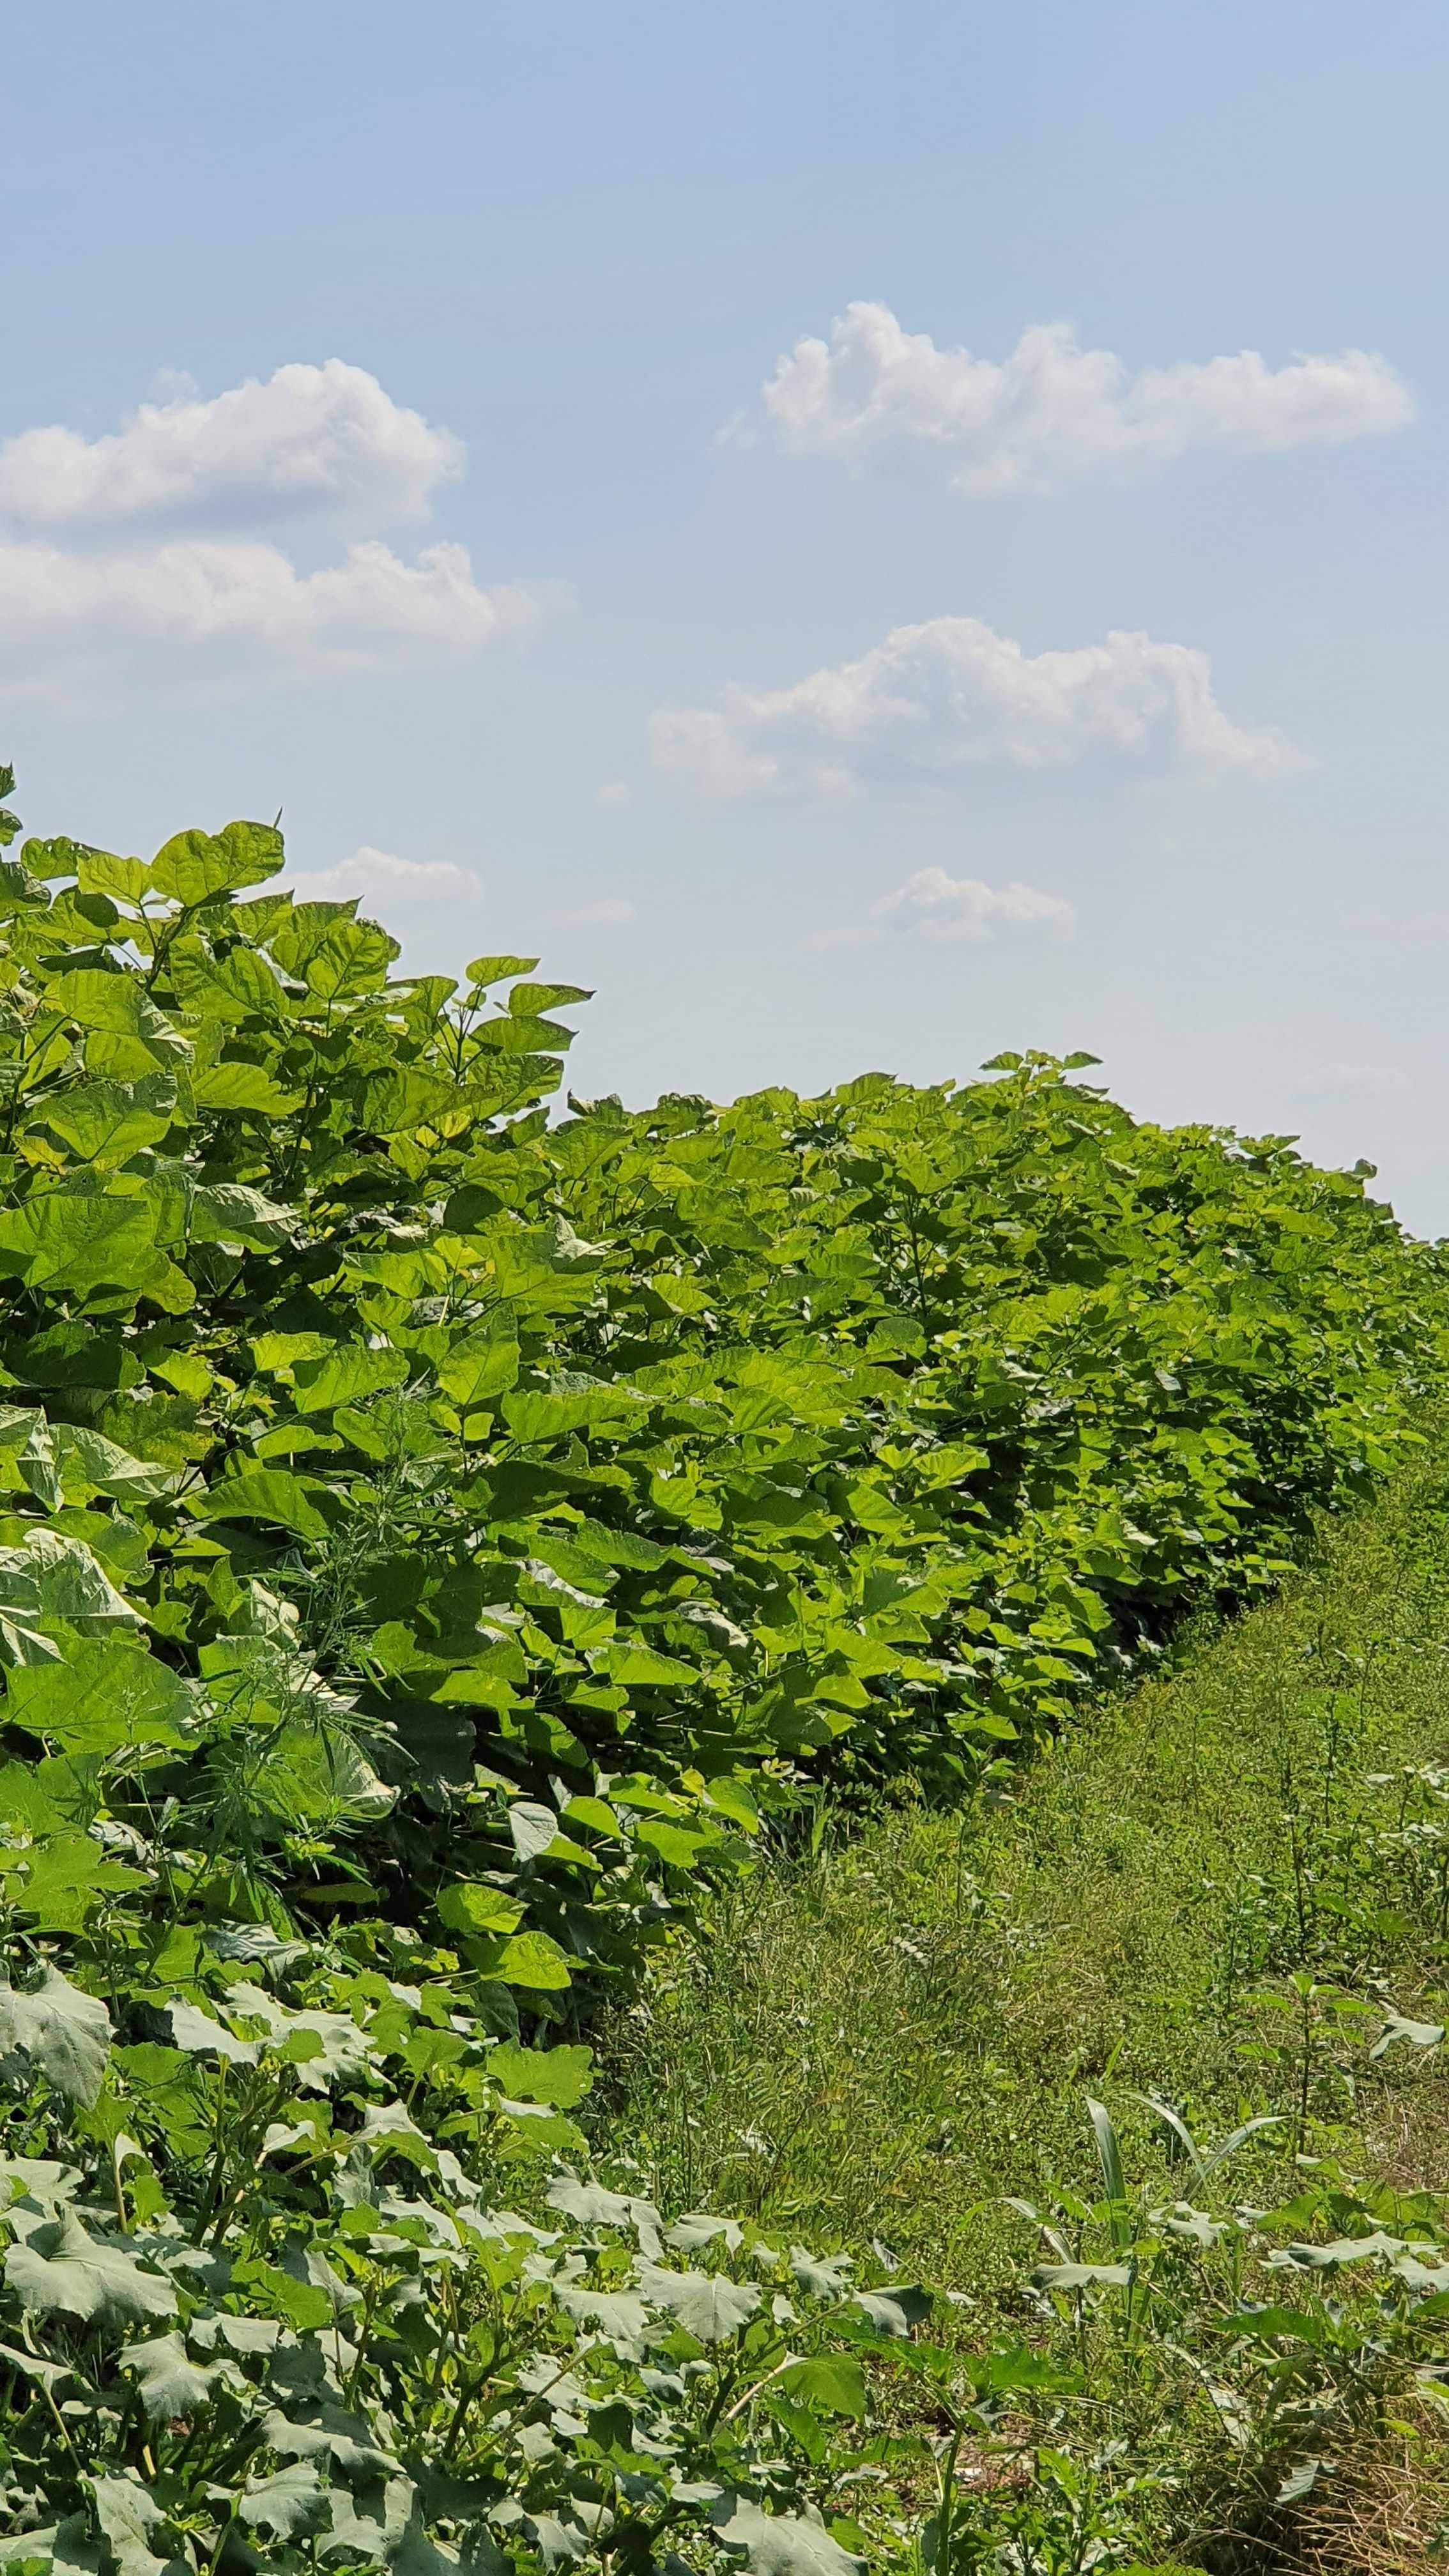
782	2544
707	2304
62	2271
129	2517
293	2505
170	2383
65	2032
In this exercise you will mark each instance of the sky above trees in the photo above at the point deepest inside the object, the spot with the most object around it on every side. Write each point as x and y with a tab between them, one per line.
867	536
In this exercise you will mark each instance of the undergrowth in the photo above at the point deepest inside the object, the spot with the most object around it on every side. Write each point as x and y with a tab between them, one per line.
1202	1908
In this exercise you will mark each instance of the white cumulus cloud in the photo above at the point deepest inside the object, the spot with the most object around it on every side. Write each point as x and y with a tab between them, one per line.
938	906
1053	413
312	442
374	874
168	542
951	696
220	597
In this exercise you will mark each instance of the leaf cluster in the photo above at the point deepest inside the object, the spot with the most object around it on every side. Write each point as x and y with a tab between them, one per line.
420	1518
259	2307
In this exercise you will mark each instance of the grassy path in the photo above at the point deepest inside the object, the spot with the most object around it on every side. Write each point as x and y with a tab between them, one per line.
880	2039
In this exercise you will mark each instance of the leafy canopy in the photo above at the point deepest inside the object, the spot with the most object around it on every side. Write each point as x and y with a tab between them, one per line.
432	1540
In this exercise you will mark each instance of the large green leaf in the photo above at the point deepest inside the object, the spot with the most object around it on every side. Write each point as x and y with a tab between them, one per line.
199	2034
94	1465
371	2525
171	2385
468	1907
336	957
333	2048
63	2271
100	872
595	2206
559	2075
393	1104
348	1375
227	1212
526	1000
531	1828
264	1494
54	1579
73	1245
130	2518
293	2505
99	997
636	1664
105	1123
707	2304
830	2383
499	970
897	2311
782	2544
533	1961
195	867
243	1087
101	1697
332	2434
619	2314
65	2032
476	1369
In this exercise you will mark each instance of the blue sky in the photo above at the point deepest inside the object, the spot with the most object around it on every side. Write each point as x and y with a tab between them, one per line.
790	724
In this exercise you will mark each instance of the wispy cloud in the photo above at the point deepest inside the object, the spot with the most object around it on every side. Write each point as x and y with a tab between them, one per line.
373	874
606	914
1350	1081
935	701
1052	413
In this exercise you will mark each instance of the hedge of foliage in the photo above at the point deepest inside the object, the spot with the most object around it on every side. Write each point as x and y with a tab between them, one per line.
433	1537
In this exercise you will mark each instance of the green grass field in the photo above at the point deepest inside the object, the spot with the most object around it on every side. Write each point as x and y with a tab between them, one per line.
1208	1892
884	2037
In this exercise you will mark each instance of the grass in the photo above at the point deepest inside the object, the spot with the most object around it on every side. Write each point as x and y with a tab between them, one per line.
887	2036
1209	1892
